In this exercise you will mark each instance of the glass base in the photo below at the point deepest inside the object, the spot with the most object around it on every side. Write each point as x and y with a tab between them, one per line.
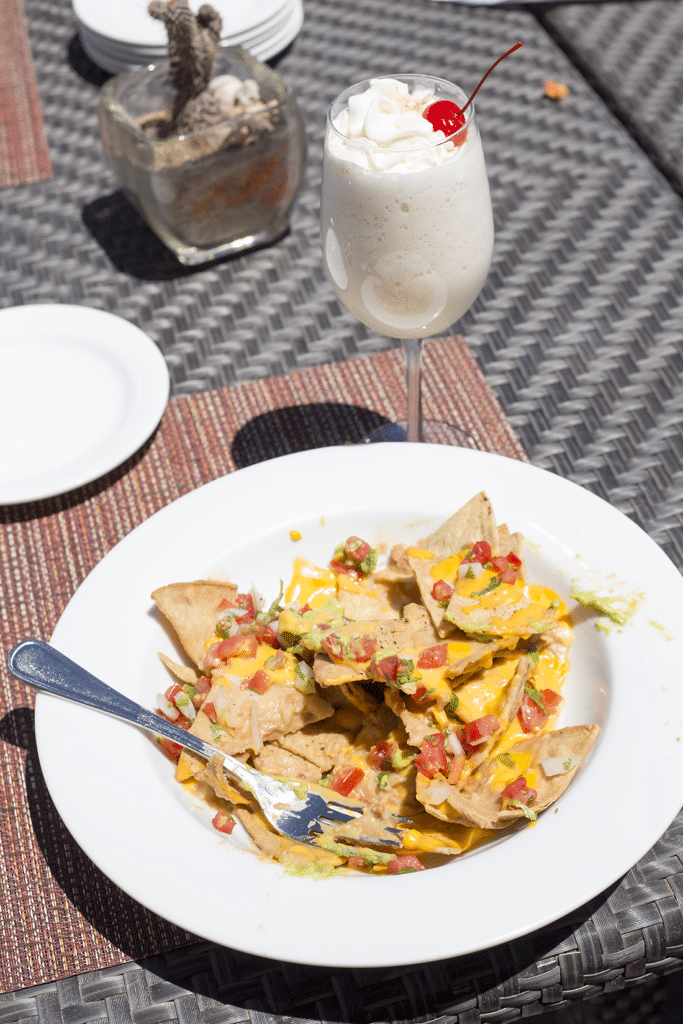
433	432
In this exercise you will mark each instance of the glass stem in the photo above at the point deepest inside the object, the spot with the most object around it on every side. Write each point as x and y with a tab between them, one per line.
413	353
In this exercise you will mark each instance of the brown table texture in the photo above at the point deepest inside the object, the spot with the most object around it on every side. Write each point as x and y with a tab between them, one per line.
60	915
24	153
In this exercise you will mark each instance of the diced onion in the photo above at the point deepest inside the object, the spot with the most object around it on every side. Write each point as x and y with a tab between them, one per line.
188	709
169	709
454	744
559	765
220	703
438	792
474	569
259	599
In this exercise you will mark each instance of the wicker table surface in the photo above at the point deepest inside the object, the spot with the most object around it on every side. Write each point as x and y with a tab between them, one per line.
579	331
632	54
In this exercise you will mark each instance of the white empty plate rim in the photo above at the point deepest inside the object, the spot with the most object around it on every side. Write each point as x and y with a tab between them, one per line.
80	390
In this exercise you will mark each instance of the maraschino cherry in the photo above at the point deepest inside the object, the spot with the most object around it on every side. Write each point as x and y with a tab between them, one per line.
446	116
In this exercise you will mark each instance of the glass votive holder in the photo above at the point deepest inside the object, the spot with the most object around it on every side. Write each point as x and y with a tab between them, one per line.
215	191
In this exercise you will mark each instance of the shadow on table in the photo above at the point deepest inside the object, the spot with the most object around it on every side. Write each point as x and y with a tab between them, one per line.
129	243
298	428
229	978
115	915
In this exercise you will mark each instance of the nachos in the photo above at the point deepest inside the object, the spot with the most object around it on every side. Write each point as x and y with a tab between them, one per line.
429	687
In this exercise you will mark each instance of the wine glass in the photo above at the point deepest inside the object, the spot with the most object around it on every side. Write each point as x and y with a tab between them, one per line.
405	215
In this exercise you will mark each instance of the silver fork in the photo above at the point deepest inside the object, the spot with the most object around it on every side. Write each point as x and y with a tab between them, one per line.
303	818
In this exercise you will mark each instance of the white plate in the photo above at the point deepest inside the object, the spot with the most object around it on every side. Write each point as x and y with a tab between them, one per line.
118	58
80	391
129	21
117	795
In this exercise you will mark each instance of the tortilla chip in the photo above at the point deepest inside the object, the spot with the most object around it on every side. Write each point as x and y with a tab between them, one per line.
275	760
272	844
318	744
417	724
215	776
422	569
514	693
573	740
363	607
479	804
509	619
474	521
329	673
191	610
182	672
252	719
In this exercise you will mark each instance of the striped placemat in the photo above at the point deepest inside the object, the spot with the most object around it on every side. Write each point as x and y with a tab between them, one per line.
24	153
60	915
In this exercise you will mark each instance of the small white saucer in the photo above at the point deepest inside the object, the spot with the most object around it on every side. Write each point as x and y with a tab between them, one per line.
80	391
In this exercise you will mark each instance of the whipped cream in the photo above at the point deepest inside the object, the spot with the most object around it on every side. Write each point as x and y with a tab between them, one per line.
406	218
386	124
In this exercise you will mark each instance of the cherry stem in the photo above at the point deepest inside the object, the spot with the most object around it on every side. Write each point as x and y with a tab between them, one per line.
511	50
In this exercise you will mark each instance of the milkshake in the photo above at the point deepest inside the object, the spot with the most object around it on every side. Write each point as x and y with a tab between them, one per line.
406	222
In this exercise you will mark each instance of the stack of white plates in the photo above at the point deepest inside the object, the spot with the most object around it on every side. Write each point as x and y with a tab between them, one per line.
122	36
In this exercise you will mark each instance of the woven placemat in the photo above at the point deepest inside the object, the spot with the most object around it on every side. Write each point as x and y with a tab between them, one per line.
24	153
60	915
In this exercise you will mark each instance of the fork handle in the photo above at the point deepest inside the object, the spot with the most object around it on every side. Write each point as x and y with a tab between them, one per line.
44	667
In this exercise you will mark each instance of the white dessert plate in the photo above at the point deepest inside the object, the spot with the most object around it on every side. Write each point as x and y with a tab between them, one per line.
142	830
80	391
130	22
262	42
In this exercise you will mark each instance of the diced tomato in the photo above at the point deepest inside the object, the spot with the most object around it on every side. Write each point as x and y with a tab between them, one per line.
432	756
442	591
267	635
455	769
341	569
234	647
356	549
422	695
171	749
362	648
356	862
380	756
260	681
209	709
224	603
404	862
531	717
433	657
333	646
481	553
385	669
223	822
245	601
508	566
202	687
474	733
518	790
346	779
